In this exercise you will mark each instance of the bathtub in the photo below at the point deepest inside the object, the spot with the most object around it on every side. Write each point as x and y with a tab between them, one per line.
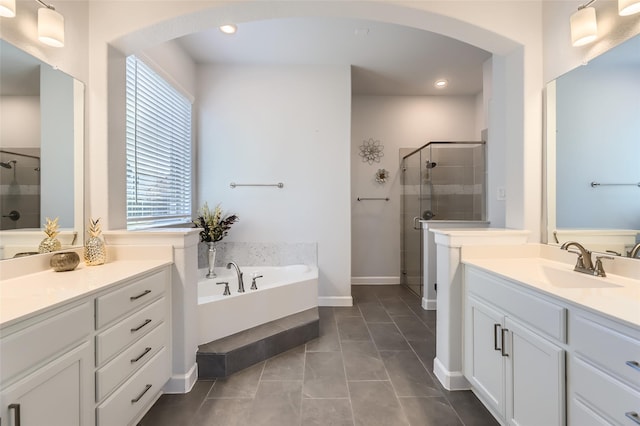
283	290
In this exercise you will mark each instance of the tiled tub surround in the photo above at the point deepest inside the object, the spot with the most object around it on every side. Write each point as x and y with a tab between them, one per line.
89	346
260	254
535	327
282	291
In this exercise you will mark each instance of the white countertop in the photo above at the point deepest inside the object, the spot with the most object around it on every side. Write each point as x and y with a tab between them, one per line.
30	294
527	265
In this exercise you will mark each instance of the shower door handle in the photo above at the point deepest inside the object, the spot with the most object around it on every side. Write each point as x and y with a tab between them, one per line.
415	221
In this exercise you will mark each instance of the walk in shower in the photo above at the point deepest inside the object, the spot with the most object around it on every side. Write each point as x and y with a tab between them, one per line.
20	188
441	182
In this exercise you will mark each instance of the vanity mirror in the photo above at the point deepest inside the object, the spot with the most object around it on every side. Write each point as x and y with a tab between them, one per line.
593	152
41	152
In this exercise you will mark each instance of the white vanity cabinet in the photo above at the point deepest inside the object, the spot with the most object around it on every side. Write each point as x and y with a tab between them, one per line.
513	351
46	369
604	371
132	348
100	359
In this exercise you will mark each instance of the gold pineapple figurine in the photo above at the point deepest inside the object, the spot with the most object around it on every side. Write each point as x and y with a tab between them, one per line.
95	252
50	243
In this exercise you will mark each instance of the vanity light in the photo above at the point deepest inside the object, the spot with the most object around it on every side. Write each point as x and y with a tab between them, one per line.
8	8
441	84
628	7
584	28
50	27
228	28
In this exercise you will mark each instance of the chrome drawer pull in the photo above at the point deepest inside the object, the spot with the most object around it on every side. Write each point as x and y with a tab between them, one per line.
133	330
633	416
146	351
16	407
502	351
144	293
133	401
495	337
633	364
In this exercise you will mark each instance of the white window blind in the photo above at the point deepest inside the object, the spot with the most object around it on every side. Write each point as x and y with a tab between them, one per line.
158	150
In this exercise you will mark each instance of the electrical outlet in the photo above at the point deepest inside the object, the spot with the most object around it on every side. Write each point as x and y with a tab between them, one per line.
502	193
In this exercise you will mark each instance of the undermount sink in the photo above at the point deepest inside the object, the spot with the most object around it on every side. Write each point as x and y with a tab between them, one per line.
571	279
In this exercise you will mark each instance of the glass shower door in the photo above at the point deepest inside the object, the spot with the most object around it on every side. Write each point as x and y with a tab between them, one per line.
411	228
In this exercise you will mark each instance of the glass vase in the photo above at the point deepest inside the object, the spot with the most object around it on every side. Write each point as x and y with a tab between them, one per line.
211	257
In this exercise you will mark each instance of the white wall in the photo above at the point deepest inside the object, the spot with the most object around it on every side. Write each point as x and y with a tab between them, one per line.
397	122
262	124
23	112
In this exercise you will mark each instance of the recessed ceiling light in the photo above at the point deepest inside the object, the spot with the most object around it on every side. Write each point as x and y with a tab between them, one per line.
228	28
441	84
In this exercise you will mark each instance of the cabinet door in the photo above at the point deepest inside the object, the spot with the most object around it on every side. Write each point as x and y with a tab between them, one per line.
535	379
57	394
484	364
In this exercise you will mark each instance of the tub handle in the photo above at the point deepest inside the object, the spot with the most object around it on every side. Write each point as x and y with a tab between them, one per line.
227	292
253	282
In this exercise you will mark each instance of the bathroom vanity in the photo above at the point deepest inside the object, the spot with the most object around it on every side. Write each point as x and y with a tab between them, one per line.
86	347
544	344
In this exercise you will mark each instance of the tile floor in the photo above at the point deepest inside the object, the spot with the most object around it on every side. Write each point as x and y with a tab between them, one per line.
372	365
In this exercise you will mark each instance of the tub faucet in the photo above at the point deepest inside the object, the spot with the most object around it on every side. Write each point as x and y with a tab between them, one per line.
634	251
240	282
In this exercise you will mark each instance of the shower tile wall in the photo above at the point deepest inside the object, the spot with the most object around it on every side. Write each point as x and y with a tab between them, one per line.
457	183
20	188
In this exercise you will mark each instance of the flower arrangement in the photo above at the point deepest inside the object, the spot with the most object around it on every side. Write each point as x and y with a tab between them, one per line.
214	225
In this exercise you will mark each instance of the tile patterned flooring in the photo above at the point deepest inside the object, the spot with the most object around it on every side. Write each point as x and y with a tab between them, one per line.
372	365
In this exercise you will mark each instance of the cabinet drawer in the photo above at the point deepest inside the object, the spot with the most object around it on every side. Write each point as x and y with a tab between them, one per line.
130	329
135	394
109	376
538	313
26	348
117	303
610	349
602	393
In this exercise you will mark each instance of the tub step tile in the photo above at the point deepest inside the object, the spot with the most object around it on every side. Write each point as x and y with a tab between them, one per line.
225	356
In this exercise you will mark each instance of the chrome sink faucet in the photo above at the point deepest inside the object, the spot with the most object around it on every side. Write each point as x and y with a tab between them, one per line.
584	263
239	273
635	251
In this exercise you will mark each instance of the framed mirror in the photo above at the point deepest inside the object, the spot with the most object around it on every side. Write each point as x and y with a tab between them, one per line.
41	152
593	152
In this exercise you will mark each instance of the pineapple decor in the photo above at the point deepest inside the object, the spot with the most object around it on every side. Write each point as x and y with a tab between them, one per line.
50	243
95	252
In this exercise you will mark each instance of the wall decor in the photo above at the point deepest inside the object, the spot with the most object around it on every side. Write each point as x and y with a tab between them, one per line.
371	150
382	175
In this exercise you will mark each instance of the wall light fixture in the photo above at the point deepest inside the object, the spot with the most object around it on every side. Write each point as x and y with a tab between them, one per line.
50	22
584	24
8	8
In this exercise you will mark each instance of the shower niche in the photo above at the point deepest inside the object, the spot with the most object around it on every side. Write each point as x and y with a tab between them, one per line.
443	183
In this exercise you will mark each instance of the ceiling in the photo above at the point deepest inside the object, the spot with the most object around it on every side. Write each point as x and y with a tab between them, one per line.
386	59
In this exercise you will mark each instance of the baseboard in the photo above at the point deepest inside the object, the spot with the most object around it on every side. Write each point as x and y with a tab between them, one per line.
335	301
182	383
429	304
375	280
451	380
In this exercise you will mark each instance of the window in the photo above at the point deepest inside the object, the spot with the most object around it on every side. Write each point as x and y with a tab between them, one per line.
158	150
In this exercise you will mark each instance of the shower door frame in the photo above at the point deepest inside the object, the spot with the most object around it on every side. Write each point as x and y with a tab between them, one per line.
418	218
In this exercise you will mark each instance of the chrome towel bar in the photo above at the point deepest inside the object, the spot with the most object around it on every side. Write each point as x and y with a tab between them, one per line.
594	184
371	199
234	185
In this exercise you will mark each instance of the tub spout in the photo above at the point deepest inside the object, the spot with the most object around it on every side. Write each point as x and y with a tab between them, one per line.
239	273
